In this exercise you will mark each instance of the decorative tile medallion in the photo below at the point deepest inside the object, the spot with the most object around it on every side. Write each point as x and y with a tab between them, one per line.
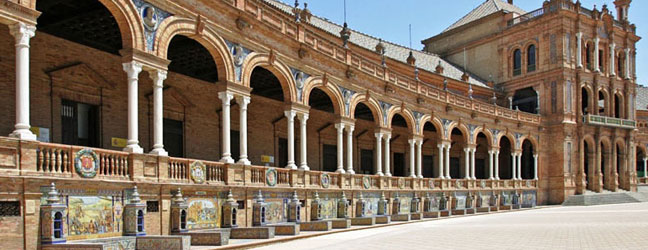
86	163
198	172
366	182
459	184
431	183
271	177
325	180
401	183
483	183
528	183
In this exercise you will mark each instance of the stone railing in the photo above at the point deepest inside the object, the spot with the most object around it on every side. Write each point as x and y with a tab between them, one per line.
526	17
313	39
609	121
56	160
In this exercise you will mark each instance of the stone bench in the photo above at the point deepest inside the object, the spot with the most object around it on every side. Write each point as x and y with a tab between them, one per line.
340	223
433	214
416	216
125	242
505	207
208	237
363	221
400	217
493	208
286	229
252	233
483	209
515	206
383	219
324	225
469	211
167	242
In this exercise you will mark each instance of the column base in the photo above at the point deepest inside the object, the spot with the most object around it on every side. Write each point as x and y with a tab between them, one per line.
244	161
340	170
412	176
23	134
350	171
492	178
227	159
291	166
448	177
134	148
420	176
159	152
304	167
497	178
381	174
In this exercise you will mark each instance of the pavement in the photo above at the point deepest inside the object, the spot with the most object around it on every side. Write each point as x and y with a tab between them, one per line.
620	226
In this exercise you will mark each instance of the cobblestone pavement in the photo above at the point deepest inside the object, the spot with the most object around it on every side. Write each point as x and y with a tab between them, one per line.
623	226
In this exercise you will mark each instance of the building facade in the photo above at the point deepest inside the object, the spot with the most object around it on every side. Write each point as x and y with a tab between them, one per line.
114	106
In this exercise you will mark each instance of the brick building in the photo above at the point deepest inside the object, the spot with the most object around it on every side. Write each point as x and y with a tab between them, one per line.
232	101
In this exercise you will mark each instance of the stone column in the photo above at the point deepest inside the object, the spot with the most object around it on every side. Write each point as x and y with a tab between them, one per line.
519	165
226	97
303	141
514	166
22	34
535	167
596	55
132	70
447	161
627	64
612	66
467	163
158	77
579	54
243	102
412	158
340	148
645	161
497	177
472	163
490	165
290	118
379	155
440	167
387	155
419	158
350	149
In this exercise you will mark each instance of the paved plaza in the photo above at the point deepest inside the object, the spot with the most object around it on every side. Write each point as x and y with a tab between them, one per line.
622	226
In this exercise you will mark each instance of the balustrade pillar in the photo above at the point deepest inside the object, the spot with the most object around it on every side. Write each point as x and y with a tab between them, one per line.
303	141
447	161
497	176
387	154
472	163
579	45
412	158
22	34
350	129
340	148
290	117
441	147
467	163
490	164
226	98
535	167
379	154
243	102
132	70
419	158
514	166
158	77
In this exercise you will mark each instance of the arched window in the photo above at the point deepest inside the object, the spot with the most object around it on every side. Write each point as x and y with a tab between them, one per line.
517	62
58	225
140	221
620	65
183	219
531	58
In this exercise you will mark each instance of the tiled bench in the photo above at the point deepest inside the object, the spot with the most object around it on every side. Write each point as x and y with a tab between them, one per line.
126	243
445	213
167	242
383	219
363	221
209	237
340	223
252	233
400	217
433	214
324	225
286	229
416	216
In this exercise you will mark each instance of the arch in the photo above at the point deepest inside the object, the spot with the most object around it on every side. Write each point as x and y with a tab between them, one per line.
588	154
528	150
602	98
462	128
531	57
278	68
509	136
129	22
435	122
330	89
406	113
485	132
506	146
517	62
371	103
215	44
586	96
619	107
531	139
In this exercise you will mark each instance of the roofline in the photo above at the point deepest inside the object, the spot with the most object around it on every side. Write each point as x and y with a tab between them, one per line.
463	27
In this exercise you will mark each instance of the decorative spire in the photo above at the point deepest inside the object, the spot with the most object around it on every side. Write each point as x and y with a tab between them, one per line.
345	34
259	197
380	47
343	196
360	197
470	90
53	195
177	198
230	197
439	68
411	60
316	196
295	198
135	199
494	98
306	14
297	11
445	84
382	196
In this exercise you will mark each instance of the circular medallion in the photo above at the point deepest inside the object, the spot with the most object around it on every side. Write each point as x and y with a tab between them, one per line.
401	183
431	183
483	183
237	52
528	183
326	180
86	163
366	182
150	17
271	177
299	79
459	184
198	173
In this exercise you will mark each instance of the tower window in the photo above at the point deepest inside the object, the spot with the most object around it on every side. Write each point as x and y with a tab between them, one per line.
531	58
517	62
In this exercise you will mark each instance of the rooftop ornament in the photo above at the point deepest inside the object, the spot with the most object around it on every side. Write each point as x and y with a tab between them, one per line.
345	33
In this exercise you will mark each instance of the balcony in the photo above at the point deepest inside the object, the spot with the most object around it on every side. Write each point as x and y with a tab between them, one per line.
598	120
49	160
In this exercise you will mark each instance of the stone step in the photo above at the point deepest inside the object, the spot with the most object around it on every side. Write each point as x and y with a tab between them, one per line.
589	199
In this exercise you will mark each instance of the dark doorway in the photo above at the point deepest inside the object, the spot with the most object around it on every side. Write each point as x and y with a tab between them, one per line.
505	159
79	124
282	160
173	138
455	169
366	161
235	144
428	166
329	158
480	168
266	84
399	164
526	100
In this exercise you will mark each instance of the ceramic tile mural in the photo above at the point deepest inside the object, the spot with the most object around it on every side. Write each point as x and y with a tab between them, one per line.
372	203
100	216
529	198
277	210
406	202
507	197
486	196
203	213
461	200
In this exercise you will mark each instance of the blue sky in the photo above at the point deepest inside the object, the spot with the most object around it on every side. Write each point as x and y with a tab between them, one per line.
389	19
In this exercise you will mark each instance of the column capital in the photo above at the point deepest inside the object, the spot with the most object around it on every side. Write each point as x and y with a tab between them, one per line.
339	126
379	135
350	128
242	101
411	141
22	33
303	117
158	76
225	96
132	69
290	114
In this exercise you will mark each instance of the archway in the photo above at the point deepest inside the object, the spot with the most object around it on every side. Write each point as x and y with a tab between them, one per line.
481	156
190	58
527	160
457	154
618	106
430	168
366	119
526	100
585	107
400	147
322	108
589	164
620	174
505	158
605	163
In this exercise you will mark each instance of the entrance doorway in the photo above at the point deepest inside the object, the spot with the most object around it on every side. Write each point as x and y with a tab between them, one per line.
79	123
